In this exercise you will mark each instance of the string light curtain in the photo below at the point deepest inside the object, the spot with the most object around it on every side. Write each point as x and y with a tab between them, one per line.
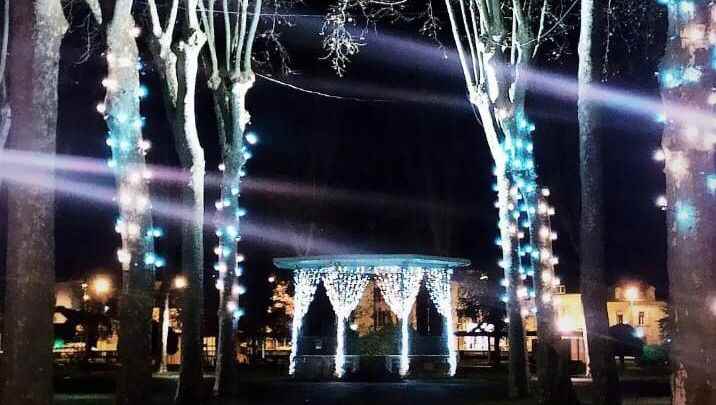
305	282
344	287
438	284
400	287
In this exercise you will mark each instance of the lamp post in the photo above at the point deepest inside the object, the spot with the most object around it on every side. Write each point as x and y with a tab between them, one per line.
178	283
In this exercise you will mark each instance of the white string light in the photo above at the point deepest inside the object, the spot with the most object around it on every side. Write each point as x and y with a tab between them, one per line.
121	113
344	287
305	283
437	282
400	287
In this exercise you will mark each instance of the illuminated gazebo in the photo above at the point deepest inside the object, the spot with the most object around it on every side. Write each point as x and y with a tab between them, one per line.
398	277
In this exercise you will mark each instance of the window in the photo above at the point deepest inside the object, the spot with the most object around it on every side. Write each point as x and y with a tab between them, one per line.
641	318
620	318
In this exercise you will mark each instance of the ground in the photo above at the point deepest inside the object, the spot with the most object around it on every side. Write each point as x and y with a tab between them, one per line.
484	387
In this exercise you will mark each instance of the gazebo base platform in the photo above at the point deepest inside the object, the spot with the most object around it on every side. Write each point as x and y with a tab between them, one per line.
370	368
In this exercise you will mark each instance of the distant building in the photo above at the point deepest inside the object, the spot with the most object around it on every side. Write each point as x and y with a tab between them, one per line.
632	303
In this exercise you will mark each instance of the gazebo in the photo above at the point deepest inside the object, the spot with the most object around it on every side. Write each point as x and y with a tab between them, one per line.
398	276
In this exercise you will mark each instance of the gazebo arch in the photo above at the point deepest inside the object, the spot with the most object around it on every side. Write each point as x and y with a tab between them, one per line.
398	276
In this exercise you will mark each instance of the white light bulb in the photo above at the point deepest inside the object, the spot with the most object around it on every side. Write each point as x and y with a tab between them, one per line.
133	229
661	202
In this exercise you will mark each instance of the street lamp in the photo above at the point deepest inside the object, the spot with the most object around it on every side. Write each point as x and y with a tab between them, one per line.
180	282
102	285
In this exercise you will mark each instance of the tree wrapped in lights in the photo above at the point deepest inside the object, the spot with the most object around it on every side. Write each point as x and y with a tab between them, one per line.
438	284
400	286
230	76
305	283
496	43
687	76
122	115
344	287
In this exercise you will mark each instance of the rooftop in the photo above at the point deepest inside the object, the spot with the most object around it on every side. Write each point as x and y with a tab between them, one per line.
369	261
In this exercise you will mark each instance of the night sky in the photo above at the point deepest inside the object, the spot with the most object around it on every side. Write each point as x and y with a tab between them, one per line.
404	170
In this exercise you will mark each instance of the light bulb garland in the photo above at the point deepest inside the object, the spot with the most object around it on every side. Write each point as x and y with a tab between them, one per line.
128	150
527	255
692	31
228	230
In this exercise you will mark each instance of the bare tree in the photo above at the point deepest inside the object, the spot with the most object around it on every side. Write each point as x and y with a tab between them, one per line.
592	51
497	42
687	77
178	64
230	77
38	28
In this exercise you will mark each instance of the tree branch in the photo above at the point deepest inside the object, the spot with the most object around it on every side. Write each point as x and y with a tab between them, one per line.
251	36
208	24
227	36
242	37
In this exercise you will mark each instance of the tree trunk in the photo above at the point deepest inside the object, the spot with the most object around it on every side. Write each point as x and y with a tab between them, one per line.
691	211
137	255
229	313
165	333
30	298
555	385
605	385
518	375
191	154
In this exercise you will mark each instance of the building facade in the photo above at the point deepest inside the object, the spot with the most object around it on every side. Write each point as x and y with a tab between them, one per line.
634	304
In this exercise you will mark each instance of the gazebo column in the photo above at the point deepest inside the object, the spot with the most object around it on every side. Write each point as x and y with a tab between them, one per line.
344	287
438	284
305	282
400	287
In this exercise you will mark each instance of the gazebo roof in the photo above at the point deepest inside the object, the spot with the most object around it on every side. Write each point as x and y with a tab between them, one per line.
369	260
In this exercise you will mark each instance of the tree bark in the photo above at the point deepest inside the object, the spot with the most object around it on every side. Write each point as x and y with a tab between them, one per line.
605	385
178	69
124	122
691	211
35	45
191	155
